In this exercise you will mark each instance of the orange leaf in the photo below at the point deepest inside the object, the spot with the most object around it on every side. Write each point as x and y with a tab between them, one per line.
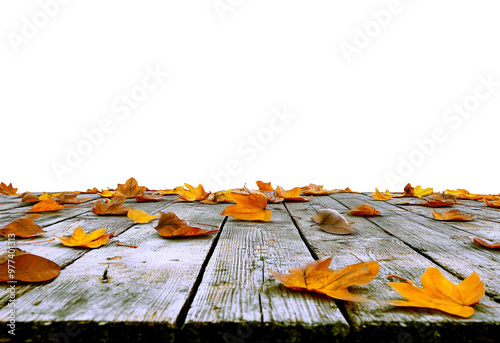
130	188
23	227
313	189
192	194
453	215
216	198
316	277
113	206
492	204
28	267
149	197
333	222
264	186
291	195
91	191
485	243
48	205
68	198
251	207
364	210
441	294
169	225
93	239
176	190
28	197
380	196
7	190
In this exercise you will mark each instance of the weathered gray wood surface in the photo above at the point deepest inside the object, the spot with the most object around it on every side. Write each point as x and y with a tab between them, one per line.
217	288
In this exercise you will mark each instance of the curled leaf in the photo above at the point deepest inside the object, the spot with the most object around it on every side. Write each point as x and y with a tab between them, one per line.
492	204
113	206
291	195
264	186
28	267
28	197
333	222
170	226
149	197
7	190
380	196
316	277
453	215
192	194
485	243
364	210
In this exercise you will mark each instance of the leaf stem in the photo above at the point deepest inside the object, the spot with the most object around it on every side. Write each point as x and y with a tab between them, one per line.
208	225
126	245
401	278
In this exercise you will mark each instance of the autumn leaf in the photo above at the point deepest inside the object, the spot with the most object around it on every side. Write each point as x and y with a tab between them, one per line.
439	293
291	195
251	207
130	188
453	215
139	216
170	226
434	200
28	197
28	267
46	196
7	190
313	189
46	206
264	186
93	239
149	197
347	190
192	194
175	190
364	210
216	198
316	277
68	198
110	194
380	196
23	227
91	191
421	192
333	222
485	243
113	206
492	204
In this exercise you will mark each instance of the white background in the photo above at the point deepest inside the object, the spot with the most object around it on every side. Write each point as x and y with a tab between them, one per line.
356	117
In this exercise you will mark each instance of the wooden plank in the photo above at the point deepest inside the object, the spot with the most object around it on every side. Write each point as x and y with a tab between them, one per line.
374	321
119	293
433	239
237	300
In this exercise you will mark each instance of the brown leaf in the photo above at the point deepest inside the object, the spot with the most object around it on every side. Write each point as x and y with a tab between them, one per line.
364	210
333	222
68	198
485	243
113	206
28	197
453	215
23	227
149	197
130	188
169	225
28	267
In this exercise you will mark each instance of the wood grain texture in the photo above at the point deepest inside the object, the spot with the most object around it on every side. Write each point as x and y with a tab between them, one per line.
238	300
376	321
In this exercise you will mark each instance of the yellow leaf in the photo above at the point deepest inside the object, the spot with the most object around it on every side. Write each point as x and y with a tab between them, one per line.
380	196
421	192
79	238
139	216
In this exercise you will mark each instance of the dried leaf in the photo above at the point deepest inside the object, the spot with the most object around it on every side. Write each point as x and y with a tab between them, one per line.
192	194
264	186
170	226
453	215
46	206
130	188
175	190
291	195
28	267
216	198
149	197
421	192
316	277
110	194
333	222
364	210
492	204
139	216
441	294
485	243
93	239
313	189
28	197
113	206
91	191
380	196
7	190
23	227
68	198
251	207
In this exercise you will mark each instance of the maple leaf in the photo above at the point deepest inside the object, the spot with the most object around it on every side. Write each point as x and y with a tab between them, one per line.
29	267
79	238
170	226
380	196
130	188
313	189
264	186
7	190
492	204
192	194
453	215
485	243
139	216
439	293
68	198
333	222
149	197
46	206
316	277
459	193
248	207
91	191
291	195
23	227
113	206
364	210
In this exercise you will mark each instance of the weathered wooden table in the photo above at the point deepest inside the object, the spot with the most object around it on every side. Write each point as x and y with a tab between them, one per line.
217	288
